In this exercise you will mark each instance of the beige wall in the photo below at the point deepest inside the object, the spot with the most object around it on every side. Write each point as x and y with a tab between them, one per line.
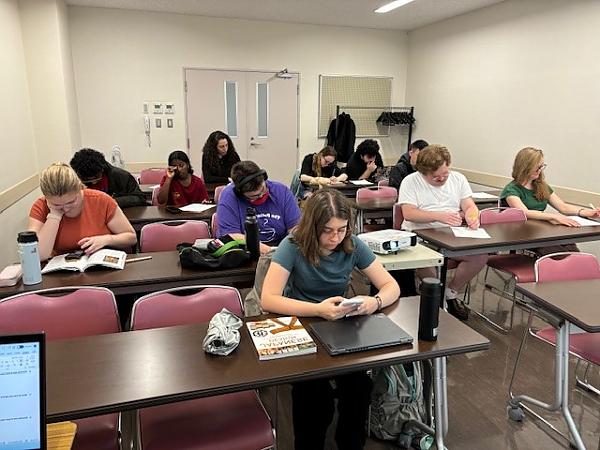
123	58
519	73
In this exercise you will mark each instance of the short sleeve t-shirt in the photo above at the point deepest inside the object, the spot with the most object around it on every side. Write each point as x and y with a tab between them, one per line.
526	195
180	195
329	171
98	209
415	190
330	278
275	216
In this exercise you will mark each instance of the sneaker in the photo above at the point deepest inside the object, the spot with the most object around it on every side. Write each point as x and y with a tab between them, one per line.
456	309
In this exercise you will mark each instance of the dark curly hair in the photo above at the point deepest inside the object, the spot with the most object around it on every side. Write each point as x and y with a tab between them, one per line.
178	155
88	163
368	147
210	149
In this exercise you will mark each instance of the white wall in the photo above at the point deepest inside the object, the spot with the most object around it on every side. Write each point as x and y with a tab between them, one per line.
519	73
123	58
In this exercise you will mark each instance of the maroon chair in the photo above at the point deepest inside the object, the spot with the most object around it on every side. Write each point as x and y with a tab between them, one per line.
214	224
155	190
518	266
64	313
225	422
152	176
218	191
377	192
164	236
564	266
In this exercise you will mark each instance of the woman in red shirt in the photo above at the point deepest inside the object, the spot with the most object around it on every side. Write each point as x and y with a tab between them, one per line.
180	187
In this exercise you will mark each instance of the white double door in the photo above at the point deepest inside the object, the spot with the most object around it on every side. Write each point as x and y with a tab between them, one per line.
259	111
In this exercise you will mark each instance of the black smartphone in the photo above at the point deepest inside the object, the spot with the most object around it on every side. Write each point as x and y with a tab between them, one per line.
74	256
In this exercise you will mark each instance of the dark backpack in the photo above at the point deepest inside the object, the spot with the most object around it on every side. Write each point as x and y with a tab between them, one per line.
194	258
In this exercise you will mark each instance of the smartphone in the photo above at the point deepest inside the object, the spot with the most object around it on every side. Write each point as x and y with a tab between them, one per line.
355	301
74	256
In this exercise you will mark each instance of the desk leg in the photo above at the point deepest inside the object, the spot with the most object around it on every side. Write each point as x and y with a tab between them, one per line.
440	391
360	221
563	335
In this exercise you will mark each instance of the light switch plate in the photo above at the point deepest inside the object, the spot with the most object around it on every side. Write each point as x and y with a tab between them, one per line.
169	123
158	122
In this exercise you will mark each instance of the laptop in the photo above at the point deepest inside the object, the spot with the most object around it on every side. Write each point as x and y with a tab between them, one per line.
22	392
359	333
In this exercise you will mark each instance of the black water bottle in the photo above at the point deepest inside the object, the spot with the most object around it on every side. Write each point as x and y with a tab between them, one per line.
251	227
431	295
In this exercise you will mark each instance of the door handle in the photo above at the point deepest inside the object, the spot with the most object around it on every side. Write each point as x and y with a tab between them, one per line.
253	142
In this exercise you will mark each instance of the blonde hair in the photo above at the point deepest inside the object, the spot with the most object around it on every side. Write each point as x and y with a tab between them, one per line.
431	158
325	151
527	161
59	179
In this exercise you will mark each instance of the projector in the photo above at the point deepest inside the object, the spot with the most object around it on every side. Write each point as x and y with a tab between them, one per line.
385	242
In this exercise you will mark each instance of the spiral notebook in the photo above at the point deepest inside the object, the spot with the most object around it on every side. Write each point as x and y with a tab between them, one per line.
359	333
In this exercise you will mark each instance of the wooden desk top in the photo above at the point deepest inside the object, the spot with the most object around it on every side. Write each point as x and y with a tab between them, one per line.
123	371
575	301
59	436
508	236
139	216
346	188
161	272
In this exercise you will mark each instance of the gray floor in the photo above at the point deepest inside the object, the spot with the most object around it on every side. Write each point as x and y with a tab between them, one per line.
478	386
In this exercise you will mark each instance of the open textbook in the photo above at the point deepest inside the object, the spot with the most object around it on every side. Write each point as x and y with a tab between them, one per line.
113	259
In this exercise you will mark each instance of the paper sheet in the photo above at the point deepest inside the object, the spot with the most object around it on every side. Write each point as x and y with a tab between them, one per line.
465	232
584	222
196	207
482	195
361	182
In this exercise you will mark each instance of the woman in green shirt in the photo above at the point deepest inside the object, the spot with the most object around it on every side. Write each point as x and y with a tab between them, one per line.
529	191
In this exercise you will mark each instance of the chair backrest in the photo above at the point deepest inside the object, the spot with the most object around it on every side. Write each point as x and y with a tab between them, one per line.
155	190
61	313
218	191
184	305
152	176
566	266
213	225
501	215
397	217
164	236
384	182
378	192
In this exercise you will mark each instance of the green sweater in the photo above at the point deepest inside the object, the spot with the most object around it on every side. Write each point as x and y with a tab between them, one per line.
526	196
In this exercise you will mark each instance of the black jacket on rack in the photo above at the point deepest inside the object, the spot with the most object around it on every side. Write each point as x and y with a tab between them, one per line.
341	136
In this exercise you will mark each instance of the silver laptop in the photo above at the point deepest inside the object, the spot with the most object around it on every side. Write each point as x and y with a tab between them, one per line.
359	333
22	392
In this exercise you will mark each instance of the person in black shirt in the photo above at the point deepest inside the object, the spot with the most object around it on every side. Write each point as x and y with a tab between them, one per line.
320	168
365	161
218	157
406	164
96	173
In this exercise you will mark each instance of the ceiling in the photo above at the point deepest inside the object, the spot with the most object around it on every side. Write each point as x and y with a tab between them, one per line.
350	13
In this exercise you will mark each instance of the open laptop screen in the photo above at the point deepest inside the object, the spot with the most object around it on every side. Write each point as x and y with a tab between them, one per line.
22	394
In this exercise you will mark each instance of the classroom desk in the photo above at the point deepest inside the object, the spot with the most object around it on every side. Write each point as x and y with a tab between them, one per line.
372	208
137	369
568	302
163	271
416	257
210	188
139	216
346	188
505	237
483	203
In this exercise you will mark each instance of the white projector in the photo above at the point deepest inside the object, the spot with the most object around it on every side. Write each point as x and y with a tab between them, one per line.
388	241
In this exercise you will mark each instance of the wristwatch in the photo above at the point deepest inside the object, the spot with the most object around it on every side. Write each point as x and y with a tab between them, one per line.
379	301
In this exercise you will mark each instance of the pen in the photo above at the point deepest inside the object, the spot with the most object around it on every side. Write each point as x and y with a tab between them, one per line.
591	206
141	258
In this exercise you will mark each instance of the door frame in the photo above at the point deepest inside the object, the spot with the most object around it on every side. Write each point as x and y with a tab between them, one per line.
184	85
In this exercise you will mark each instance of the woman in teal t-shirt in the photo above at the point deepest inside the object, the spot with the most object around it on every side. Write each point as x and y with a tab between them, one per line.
529	191
308	276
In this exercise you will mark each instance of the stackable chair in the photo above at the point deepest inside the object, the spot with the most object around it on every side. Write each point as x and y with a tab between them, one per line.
512	268
152	176
218	191
585	346
214	225
378	192
224	422
385	182
164	236
155	195
64	313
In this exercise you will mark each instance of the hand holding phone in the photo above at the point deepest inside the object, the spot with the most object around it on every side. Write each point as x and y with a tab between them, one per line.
355	301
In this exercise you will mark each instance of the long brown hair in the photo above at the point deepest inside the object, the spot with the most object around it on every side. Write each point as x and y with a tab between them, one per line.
527	161
325	151
212	155
320	209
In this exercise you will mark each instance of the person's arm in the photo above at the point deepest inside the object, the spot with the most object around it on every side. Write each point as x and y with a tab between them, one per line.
471	212
306	172
46	232
130	195
202	192
572	210
515	202
123	235
388	288
273	300
414	214
371	167
165	187
341	177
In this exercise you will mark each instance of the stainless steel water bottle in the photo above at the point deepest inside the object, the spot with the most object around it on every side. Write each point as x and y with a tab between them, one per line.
431	295
27	243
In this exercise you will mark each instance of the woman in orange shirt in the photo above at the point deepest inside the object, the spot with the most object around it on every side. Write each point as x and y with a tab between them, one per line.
69	217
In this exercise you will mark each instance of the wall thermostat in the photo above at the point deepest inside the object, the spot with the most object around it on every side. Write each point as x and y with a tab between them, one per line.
169	108
157	108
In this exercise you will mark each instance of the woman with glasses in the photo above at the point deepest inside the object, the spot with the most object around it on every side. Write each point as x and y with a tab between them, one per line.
276	208
529	191
308	276
180	187
320	168
69	217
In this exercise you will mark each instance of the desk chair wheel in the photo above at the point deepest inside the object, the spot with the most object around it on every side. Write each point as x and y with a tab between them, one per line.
515	413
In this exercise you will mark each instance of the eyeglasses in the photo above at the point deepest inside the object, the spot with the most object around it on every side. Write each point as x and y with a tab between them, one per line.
440	177
262	192
92	181
541	167
331	232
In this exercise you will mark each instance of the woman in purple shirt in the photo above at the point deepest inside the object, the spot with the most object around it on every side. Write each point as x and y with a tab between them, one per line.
276	208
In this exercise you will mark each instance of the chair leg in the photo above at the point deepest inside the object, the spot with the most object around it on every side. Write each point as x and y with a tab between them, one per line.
583	382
